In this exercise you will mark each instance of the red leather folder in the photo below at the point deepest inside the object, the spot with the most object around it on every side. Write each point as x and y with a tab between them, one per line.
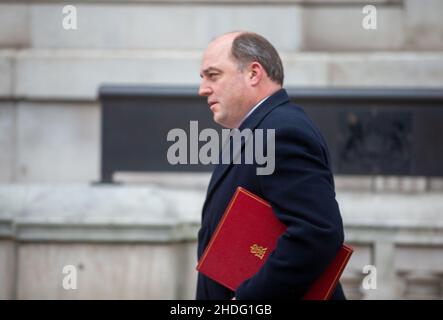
246	236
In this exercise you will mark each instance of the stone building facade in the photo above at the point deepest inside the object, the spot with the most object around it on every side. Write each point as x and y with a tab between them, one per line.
136	240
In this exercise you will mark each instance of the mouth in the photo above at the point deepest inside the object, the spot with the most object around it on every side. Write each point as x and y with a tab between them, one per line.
211	103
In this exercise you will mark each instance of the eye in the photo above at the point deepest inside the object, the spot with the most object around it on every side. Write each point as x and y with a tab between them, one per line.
212	75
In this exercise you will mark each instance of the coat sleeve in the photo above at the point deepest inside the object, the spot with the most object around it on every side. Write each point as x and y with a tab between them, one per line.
301	192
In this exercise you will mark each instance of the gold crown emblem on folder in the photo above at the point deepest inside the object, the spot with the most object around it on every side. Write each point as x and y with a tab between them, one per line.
258	251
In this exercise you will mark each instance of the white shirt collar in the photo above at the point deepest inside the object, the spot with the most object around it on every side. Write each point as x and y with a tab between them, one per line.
252	110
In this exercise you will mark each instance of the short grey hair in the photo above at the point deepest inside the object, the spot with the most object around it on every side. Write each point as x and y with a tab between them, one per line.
250	47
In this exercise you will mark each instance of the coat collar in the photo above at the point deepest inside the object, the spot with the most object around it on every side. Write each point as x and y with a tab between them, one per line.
277	98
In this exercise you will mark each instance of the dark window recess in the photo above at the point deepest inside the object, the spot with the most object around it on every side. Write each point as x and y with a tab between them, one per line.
368	131
374	142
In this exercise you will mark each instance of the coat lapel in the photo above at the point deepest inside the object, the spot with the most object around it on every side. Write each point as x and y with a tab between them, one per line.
251	122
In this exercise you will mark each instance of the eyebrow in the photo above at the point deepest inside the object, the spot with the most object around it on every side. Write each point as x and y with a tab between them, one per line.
208	70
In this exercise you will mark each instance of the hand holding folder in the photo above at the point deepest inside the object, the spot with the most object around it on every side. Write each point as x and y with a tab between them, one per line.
245	237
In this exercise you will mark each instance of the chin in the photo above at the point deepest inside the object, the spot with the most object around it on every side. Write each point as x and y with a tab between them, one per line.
218	119
223	124
221	120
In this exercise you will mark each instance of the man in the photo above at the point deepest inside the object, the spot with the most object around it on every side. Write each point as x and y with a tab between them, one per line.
242	78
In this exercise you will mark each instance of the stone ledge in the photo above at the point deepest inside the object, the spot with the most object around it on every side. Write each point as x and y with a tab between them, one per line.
189	181
405	69
149	213
50	74
398	235
74	203
99	213
387	210
152	233
139	25
388	184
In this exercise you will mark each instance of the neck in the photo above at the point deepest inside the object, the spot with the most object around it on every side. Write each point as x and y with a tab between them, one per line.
257	98
263	93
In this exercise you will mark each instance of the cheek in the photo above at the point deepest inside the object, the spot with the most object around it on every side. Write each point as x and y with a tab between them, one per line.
238	92
230	93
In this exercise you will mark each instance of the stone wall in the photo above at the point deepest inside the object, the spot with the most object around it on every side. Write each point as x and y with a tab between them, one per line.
138	241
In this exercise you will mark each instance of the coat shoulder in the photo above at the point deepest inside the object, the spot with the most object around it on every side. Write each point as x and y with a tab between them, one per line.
289	117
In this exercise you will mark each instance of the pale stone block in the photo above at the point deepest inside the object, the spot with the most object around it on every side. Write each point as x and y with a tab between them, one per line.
286	21
57	142
84	212
383	260
421	285
7	141
78	74
195	180
400	184
161	26
424	25
351	284
6	72
387	69
187	273
103	271
338	28
7	269
15	30
413	184
352	183
383	184
435	184
419	258
404	217
305	69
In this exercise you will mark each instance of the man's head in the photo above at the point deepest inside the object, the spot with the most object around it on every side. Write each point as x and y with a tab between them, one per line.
238	70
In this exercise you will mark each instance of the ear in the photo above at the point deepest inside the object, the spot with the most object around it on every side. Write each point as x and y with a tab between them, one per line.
256	73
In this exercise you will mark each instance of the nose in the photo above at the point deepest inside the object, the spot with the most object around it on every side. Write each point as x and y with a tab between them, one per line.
204	90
